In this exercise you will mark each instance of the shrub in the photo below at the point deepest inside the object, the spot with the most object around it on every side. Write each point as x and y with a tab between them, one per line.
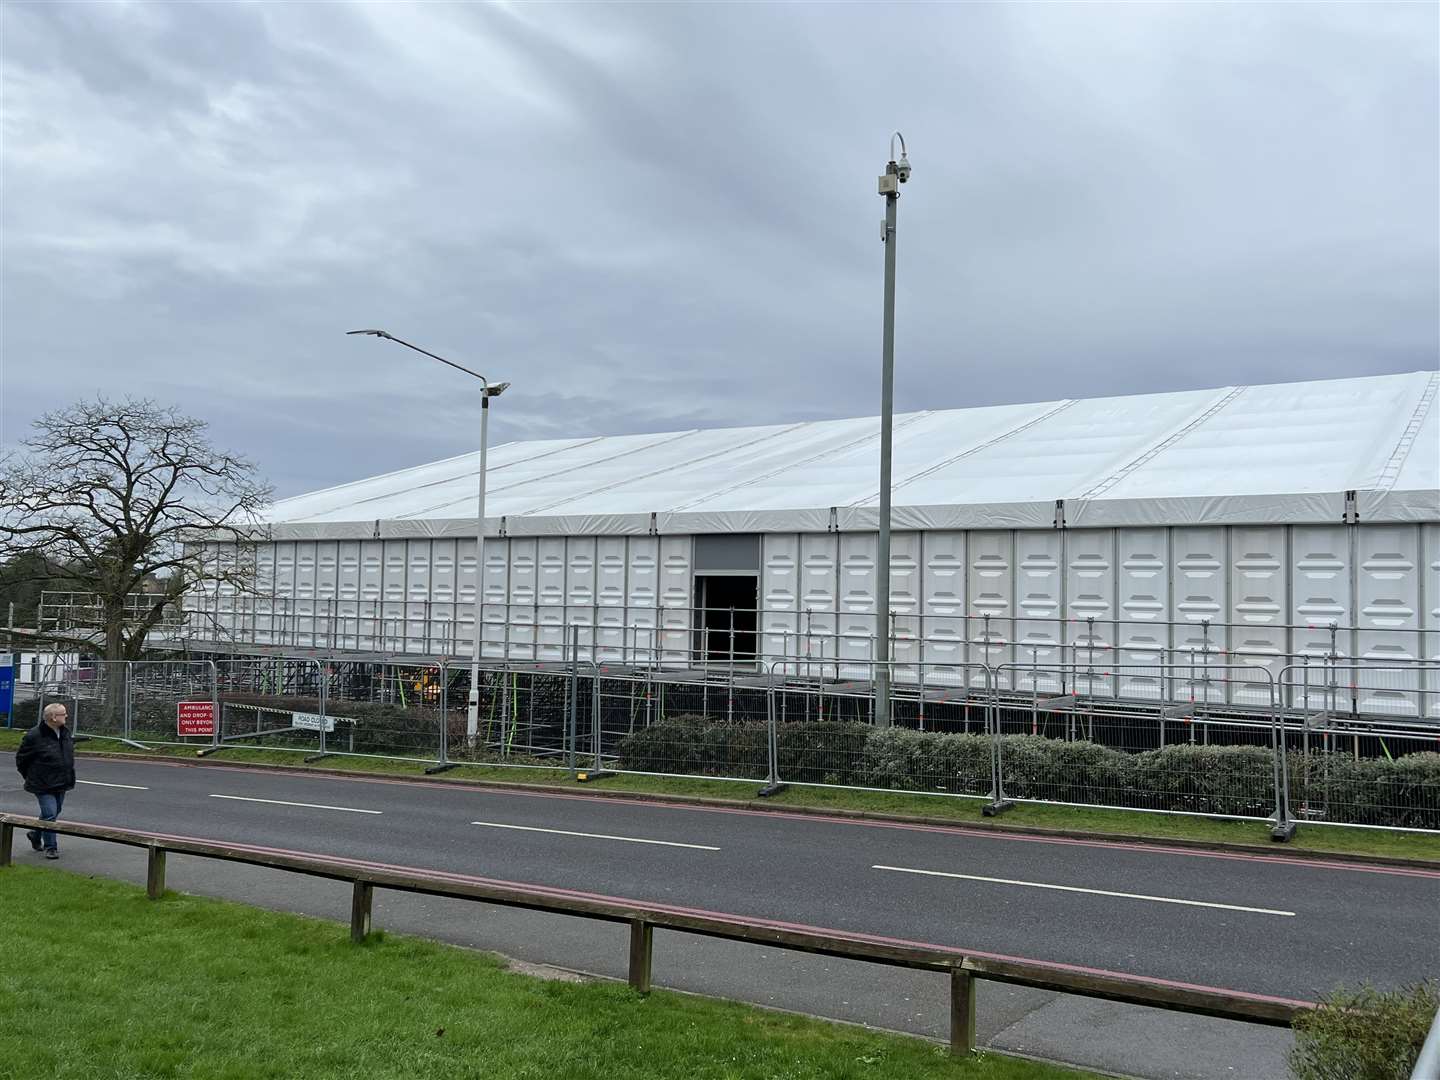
1364	1034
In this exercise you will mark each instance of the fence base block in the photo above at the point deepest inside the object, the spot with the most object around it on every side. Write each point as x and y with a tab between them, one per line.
996	808
1281	833
444	766
771	789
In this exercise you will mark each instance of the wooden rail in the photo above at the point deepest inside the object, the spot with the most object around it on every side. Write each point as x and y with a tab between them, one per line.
643	920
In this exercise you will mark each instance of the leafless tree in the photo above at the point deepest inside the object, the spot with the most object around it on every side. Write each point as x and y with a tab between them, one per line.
120	498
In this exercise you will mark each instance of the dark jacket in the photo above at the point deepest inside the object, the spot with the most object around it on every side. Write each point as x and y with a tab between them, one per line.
46	759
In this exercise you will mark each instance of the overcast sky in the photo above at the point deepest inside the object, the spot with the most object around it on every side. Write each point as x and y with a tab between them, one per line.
654	217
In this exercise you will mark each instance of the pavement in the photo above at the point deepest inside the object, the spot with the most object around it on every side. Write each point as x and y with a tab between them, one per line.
1268	925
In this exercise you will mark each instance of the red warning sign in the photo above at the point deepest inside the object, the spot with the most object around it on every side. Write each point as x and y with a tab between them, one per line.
195	718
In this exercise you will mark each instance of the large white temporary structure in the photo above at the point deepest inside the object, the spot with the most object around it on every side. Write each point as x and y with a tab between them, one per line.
1270	523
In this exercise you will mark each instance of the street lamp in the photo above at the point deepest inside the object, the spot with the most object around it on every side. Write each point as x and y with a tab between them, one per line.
472	718
895	175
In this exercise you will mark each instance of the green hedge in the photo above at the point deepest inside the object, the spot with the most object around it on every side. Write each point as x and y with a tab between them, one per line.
1364	1034
1235	780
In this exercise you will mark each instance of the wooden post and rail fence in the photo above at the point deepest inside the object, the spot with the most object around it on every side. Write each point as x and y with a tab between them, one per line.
962	968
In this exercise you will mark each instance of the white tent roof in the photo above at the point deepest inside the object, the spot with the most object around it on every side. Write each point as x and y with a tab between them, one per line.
1284	453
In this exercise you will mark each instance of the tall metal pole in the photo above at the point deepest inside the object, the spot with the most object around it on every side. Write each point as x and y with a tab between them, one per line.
895	175
472	717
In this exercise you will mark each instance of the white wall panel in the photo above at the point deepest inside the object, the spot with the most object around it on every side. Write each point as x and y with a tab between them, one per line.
991	591
1430	641
417	596
305	594
779	596
550	598
676	586
857	604
467	576
1143	608
1039	585
524	585
347	595
905	599
372	581
1259	610
1387	603
819	594
1090	586
1200	601
495	596
944	606
264	602
610	597
643	591
443	608
580	592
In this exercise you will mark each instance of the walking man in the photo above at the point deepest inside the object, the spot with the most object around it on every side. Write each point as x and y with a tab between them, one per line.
46	759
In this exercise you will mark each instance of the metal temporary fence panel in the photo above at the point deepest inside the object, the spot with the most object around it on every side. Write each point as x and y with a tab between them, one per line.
269	703
1090	585
779	596
155	690
1039	591
675	598
819	594
1142	573
550	598
857	623
1387	602
580	590
991	591
643	599
1430	624
524	581
944	604
906	591
495	596
1259	609
610	556
1199	600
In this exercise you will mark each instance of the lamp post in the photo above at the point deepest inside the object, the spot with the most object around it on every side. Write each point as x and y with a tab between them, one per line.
895	175
472	718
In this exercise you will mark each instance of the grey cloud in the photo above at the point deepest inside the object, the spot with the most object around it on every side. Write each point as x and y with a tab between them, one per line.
663	216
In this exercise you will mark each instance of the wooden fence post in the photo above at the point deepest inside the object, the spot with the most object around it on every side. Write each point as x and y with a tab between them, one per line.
7	843
155	872
360	900
962	1012
642	940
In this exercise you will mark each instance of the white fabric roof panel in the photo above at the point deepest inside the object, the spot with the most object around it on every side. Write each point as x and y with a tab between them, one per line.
1256	454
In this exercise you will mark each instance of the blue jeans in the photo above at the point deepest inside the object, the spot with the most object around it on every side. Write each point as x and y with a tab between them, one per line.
49	810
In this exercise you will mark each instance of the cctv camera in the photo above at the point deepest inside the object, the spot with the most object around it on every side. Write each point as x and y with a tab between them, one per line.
903	169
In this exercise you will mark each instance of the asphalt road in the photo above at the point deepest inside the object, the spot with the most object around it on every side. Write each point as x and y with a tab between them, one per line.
1266	925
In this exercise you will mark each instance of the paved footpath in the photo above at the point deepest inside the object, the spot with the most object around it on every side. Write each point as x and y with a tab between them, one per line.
1267	925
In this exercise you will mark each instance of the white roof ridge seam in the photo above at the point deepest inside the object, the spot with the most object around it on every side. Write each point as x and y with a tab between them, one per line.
1390	471
912	419
668	437
380	476
970	450
570	444
782	430
1229	394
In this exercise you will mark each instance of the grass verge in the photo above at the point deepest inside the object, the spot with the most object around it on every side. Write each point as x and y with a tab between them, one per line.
191	987
1118	823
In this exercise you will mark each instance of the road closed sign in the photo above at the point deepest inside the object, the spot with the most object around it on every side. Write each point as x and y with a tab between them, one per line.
195	718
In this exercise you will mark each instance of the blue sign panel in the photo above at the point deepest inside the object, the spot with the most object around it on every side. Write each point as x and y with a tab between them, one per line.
7	685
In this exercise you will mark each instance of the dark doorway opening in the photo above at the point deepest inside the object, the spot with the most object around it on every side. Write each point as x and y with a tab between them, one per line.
725	608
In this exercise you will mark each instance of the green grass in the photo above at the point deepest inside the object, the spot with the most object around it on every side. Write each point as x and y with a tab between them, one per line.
1119	823
100	981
